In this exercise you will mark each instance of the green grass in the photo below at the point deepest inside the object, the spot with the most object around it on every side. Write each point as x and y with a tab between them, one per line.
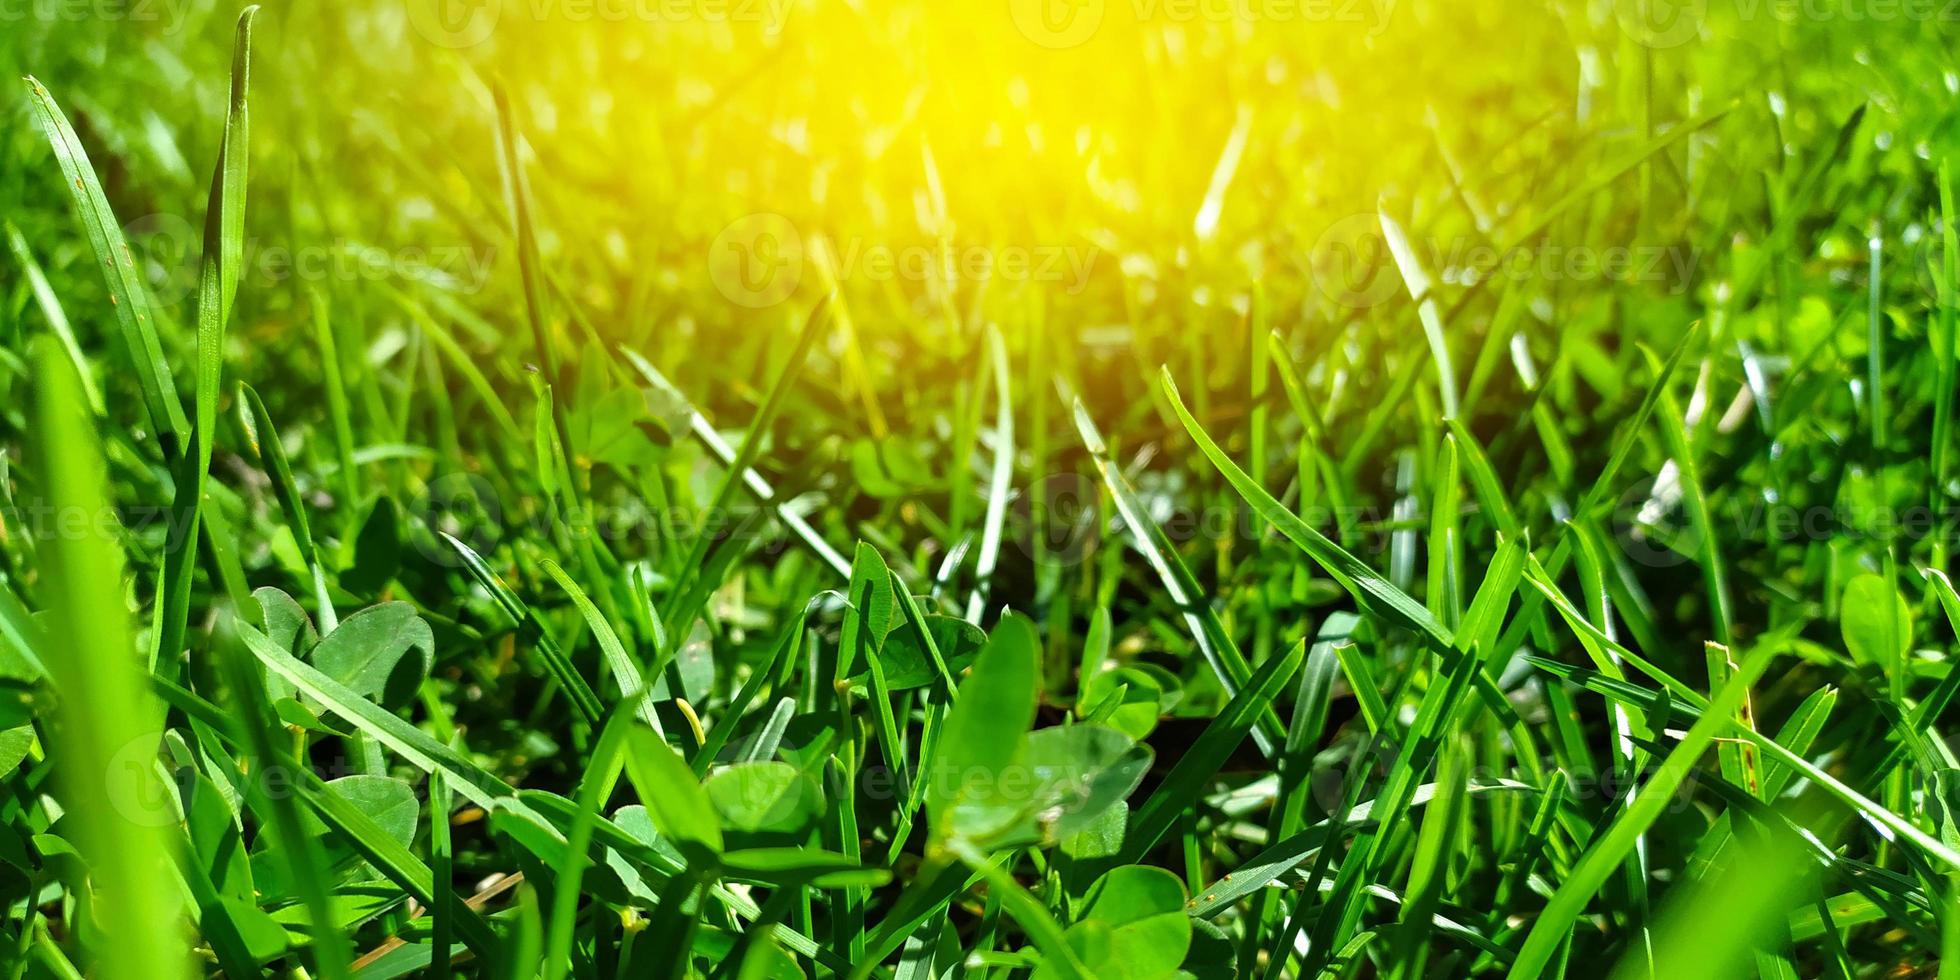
798	489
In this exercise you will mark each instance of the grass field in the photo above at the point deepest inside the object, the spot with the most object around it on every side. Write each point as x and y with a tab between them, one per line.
1075	488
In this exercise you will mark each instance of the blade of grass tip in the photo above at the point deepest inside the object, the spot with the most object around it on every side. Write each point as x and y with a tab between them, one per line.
50	304
625	670
111	721
1208	632
1798	203
1479	627
1738	760
1536	841
770	737
935	705
1003	475
224	246
1497	338
1095	653
965	435
1602	648
1799	732
772	403
1610	849
1296	390
1875	400
1385	409
704	432
1419	284
127	295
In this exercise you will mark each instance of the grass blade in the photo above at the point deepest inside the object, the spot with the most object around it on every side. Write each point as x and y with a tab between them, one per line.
111	721
127	294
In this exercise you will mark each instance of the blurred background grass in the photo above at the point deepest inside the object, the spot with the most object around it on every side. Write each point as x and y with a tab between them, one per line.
1114	184
1042	167
1109	192
1108	182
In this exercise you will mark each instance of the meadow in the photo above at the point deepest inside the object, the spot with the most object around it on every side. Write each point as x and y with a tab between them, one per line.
1070	488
